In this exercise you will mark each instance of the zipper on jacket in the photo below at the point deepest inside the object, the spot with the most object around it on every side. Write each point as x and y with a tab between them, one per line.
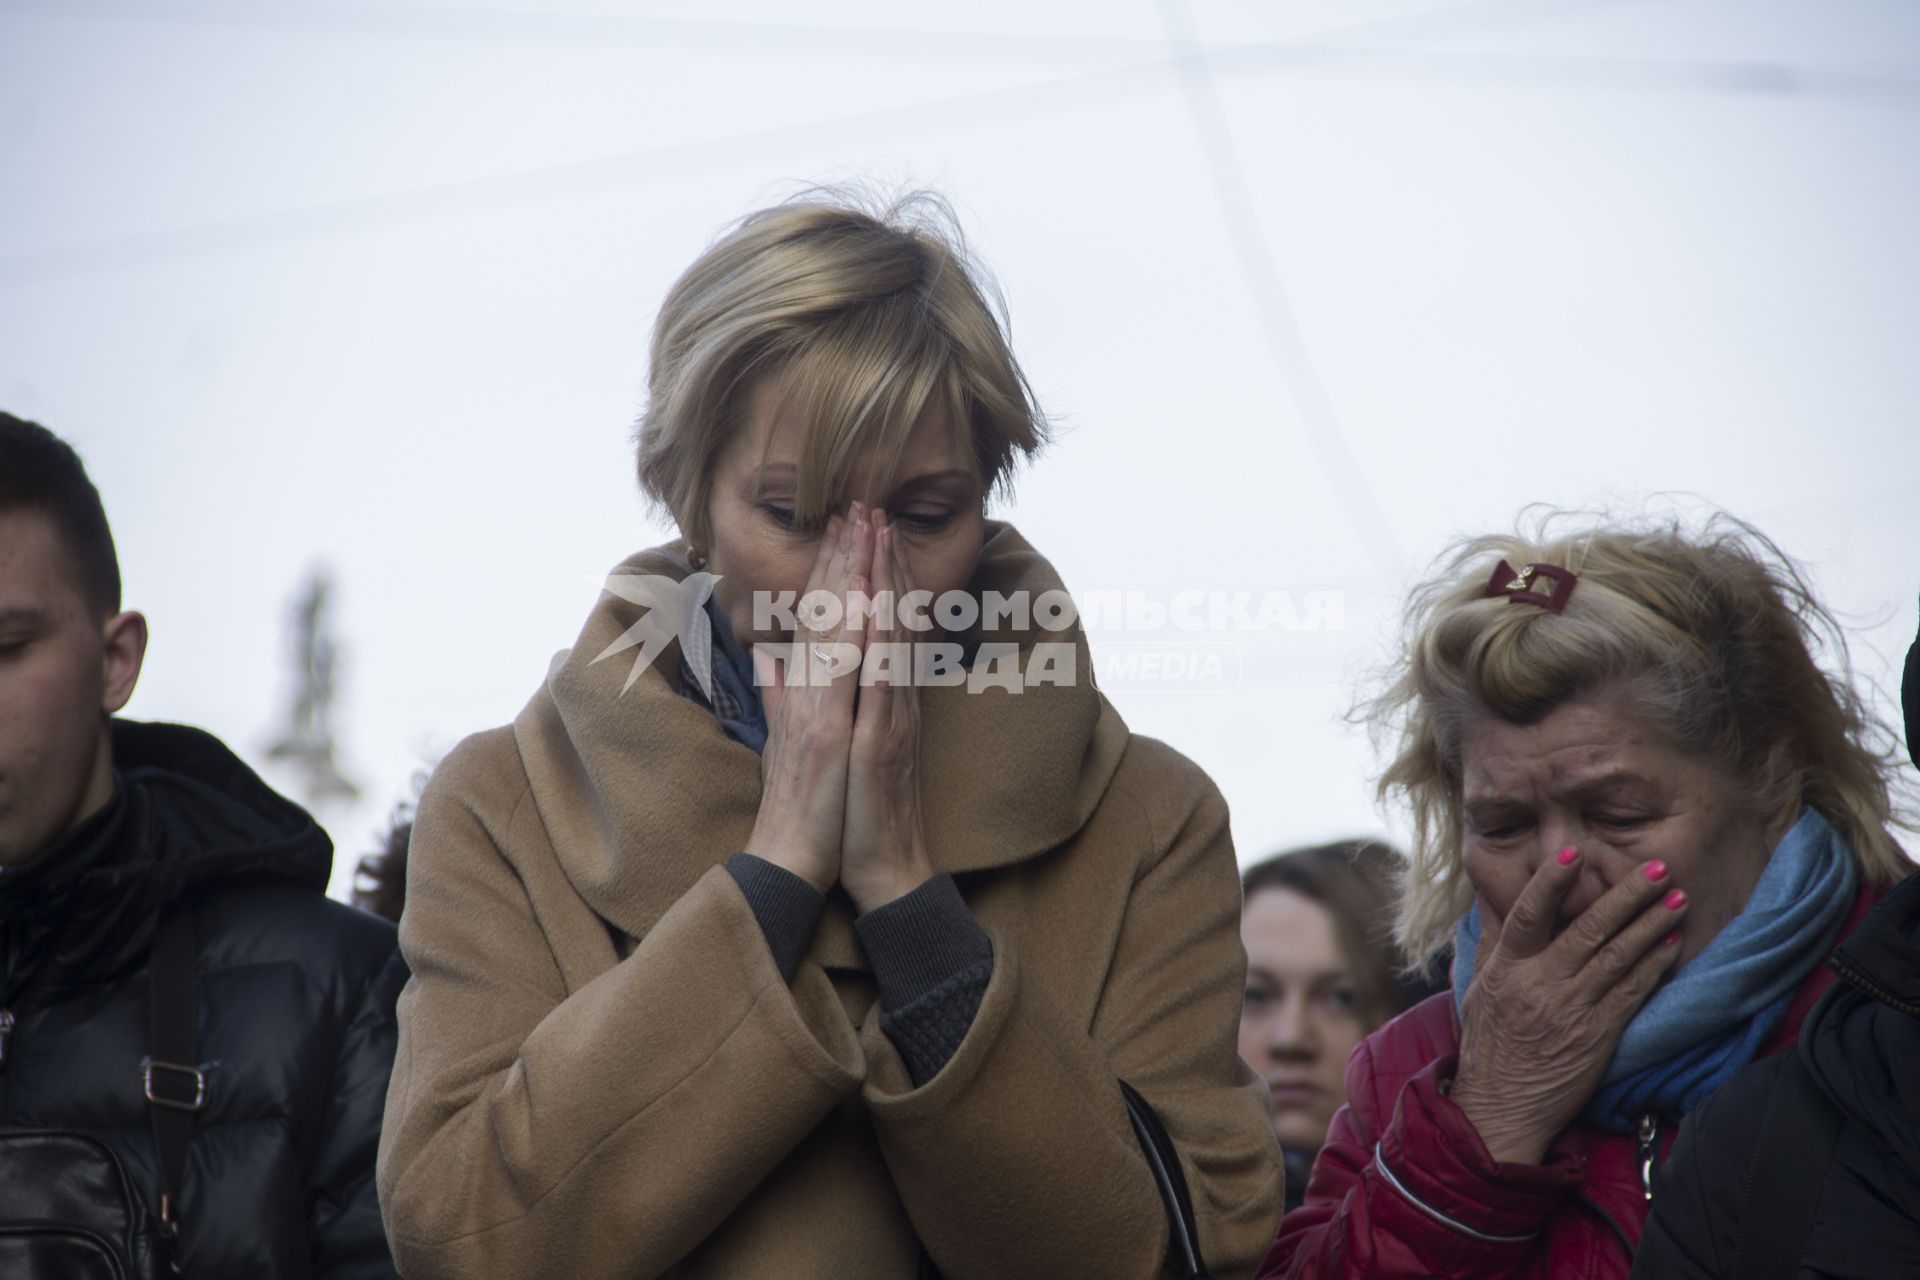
6	1021
1649	1138
1855	978
6	1054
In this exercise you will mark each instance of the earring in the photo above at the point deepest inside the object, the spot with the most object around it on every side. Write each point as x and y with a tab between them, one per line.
696	557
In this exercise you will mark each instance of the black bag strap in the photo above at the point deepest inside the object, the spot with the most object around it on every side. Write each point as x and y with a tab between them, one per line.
1786	1176
1183	1246
175	1085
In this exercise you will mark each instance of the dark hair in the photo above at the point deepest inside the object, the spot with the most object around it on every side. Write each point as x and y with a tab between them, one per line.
40	472
1353	880
380	881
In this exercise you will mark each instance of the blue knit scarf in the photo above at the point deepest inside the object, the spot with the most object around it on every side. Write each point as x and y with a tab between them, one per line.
1711	1017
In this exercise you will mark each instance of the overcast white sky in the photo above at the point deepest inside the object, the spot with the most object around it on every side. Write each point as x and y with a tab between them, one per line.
1311	288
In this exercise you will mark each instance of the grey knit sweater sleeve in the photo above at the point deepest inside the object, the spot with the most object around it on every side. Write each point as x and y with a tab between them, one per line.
932	962
786	905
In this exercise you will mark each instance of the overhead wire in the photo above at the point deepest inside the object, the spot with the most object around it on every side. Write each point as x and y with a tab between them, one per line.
1365	515
1147	72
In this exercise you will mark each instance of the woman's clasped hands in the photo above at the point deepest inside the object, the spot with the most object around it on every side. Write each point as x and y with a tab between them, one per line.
840	787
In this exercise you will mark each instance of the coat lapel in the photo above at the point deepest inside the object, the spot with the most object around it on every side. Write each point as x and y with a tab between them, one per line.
641	792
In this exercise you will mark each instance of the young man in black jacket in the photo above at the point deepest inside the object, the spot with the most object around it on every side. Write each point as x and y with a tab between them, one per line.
194	1040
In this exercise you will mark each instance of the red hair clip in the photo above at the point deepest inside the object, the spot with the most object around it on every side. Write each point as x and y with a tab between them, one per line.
1518	586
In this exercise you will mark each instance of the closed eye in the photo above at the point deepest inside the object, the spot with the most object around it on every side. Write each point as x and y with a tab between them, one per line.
787	519
923	521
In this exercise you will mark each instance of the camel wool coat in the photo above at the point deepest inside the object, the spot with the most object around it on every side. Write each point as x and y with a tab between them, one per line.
601	1072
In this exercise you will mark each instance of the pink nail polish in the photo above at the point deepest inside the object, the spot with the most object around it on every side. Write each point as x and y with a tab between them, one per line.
1671	939
1655	870
1676	900
1568	855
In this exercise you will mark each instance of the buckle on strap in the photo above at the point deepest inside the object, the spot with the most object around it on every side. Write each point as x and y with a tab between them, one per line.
149	1069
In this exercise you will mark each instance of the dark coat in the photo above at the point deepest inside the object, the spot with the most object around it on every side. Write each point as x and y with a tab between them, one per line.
1861	1047
295	995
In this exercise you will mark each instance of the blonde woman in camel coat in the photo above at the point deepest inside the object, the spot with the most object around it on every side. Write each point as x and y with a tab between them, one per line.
748	955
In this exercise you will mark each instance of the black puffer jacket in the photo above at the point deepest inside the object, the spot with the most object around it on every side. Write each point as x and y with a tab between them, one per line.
295	993
1861	1047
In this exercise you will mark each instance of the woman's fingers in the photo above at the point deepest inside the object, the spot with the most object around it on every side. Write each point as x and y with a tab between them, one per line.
876	692
1624	998
1528	928
819	643
831	541
829	564
767	674
1658	920
884	851
828	653
1489	934
906	696
773	664
849	637
1594	929
832	579
902	573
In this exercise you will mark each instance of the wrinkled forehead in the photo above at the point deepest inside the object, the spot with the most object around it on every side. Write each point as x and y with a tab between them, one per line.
1573	750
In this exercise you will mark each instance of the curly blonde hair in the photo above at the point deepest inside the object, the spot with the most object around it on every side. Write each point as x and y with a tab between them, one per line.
1709	635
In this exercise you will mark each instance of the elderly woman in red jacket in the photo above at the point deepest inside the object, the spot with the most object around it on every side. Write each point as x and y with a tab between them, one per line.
1643	816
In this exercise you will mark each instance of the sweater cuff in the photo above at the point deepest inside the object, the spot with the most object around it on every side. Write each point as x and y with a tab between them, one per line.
787	907
921	941
932	963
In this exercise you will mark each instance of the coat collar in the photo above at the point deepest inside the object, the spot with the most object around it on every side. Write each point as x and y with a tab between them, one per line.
186	816
642	793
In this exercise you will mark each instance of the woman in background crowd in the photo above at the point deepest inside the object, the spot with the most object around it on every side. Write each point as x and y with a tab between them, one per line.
1317	924
1644	814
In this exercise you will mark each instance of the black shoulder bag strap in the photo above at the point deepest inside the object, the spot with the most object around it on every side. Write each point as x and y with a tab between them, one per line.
175	1086
1183	1246
1786	1176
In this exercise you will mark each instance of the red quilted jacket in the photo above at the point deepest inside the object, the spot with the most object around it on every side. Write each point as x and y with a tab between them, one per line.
1405	1187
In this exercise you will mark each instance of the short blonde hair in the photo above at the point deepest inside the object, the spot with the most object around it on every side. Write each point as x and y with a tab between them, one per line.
866	313
1710	636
